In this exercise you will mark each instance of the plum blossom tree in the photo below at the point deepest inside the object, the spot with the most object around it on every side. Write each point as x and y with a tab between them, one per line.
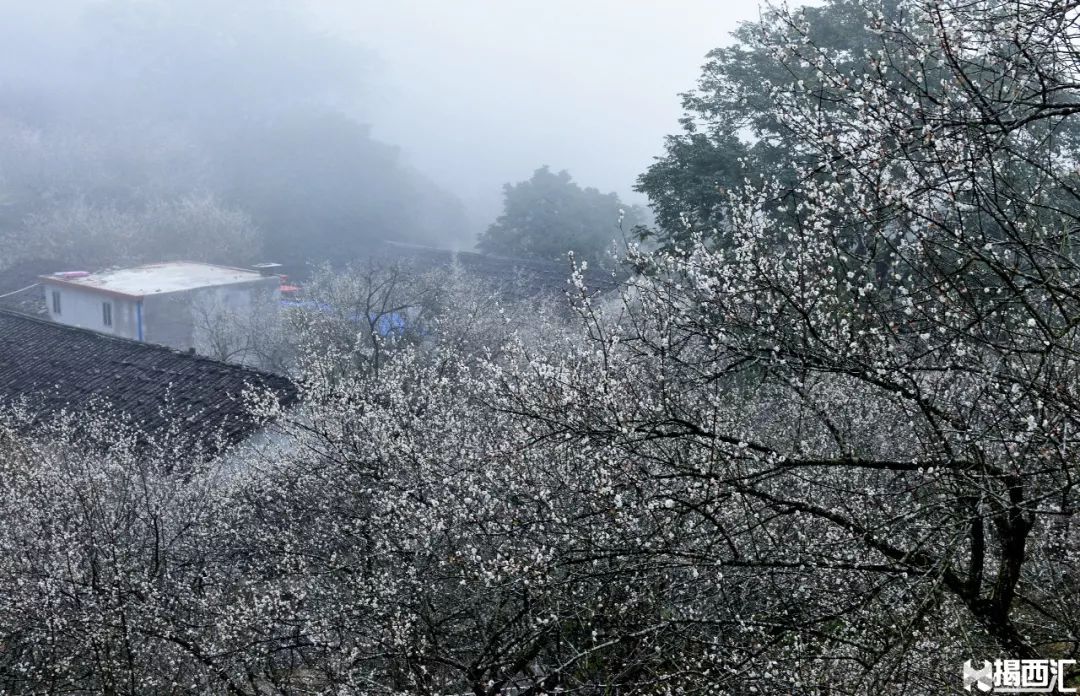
863	410
113	565
836	456
193	227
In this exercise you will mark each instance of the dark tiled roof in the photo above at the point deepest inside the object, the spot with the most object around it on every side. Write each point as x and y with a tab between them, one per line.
55	367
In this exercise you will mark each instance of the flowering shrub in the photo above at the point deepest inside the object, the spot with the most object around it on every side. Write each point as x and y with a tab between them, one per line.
832	456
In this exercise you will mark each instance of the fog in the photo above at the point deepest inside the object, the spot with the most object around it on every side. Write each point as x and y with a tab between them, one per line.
480	92
326	124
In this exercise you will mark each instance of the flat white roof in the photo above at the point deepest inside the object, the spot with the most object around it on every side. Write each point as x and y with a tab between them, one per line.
158	278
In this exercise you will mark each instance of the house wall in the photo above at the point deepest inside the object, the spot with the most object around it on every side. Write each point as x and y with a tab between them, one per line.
205	318
232	323
83	308
214	321
167	319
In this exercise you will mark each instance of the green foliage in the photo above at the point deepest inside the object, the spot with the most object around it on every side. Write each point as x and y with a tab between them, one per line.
730	135
549	215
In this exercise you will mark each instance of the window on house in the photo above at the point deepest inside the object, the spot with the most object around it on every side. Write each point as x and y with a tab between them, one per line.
106	313
56	301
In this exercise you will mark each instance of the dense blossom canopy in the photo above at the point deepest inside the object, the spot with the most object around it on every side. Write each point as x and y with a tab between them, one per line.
833	456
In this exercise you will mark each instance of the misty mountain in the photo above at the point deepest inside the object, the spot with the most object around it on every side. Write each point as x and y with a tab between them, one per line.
121	105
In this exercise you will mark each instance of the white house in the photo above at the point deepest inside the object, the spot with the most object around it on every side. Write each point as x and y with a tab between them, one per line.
173	304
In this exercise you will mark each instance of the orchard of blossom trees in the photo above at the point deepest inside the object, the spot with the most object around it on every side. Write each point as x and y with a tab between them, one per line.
826	448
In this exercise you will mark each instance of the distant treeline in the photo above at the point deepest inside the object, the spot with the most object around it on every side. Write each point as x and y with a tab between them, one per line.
123	114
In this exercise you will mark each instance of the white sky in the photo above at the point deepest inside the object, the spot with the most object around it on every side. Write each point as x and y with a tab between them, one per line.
481	92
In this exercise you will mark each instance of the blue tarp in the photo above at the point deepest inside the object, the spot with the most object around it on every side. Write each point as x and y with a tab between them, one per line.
389	324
